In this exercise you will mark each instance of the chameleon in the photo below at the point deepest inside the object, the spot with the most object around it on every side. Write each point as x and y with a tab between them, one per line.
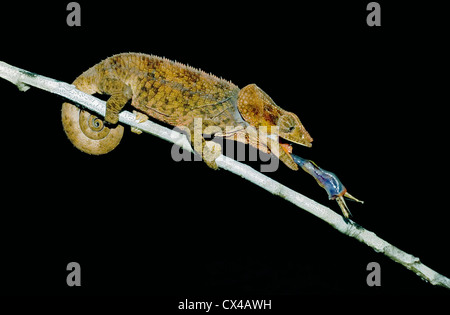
178	95
189	98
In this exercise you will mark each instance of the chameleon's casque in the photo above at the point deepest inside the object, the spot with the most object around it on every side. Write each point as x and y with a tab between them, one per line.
177	94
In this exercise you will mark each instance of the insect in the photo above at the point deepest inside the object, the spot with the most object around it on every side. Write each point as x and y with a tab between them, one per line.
328	181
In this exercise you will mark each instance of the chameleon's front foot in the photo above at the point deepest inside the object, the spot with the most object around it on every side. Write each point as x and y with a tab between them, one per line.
208	150
211	151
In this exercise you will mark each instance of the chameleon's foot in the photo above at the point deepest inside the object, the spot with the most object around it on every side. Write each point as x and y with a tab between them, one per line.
212	165
111	117
140	118
211	151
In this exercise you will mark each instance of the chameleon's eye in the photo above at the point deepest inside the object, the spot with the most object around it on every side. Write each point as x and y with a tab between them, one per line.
290	128
287	124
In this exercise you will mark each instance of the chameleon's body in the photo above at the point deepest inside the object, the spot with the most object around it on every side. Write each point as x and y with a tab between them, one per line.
177	94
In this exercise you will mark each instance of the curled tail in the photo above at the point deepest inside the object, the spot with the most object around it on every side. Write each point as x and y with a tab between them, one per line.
87	132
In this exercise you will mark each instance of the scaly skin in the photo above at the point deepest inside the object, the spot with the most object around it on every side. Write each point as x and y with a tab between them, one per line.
178	94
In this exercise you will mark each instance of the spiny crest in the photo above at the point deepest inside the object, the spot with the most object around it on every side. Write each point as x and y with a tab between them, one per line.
179	65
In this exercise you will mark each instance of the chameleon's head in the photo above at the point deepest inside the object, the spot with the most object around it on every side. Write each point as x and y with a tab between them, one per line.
258	109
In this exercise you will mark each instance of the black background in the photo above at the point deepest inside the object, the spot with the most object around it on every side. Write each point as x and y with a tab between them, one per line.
371	97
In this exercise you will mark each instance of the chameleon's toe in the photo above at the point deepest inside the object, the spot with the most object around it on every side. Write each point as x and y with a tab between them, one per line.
136	130
140	117
212	164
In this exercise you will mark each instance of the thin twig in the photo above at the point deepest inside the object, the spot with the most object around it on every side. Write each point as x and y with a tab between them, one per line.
22	79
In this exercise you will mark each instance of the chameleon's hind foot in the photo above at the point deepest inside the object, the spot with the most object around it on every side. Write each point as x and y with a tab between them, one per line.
140	118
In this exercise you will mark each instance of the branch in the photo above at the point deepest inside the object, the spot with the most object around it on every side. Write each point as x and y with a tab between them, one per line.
22	79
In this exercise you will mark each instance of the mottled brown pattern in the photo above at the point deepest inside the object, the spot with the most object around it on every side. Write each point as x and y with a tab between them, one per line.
177	94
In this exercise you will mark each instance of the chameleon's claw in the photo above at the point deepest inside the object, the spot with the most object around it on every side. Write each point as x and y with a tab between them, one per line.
140	117
136	130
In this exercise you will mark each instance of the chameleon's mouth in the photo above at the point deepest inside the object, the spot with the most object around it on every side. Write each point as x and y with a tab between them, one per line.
304	142
286	144
285	155
287	147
